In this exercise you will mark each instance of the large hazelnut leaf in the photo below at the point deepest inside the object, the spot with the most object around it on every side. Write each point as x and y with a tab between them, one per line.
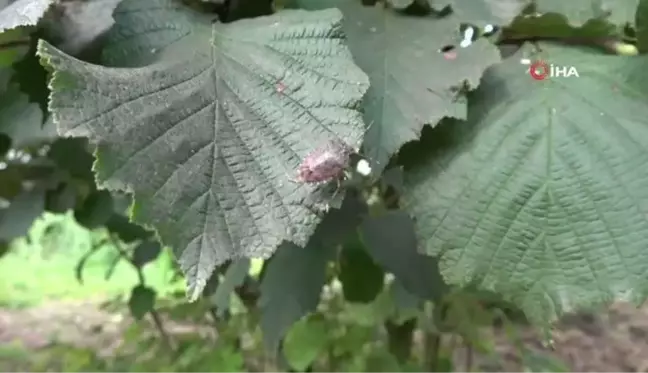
207	137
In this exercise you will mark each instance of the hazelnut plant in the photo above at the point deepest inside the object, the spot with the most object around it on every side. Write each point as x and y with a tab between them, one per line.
184	125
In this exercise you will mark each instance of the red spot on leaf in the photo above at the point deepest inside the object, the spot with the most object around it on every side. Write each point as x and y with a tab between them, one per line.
451	55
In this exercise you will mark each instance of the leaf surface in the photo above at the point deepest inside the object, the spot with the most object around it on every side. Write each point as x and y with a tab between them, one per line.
233	277
22	120
579	12
542	195
305	342
641	26
208	137
23	13
391	241
17	218
412	82
143	29
141	301
498	12
290	288
362	279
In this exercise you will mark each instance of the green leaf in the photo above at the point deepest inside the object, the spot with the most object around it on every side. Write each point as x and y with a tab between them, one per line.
406	304
382	361
31	76
142	301
145	253
5	144
579	12
22	120
641	25
480	12
62	198
391	241
412	82
126	231
71	155
290	288
234	277
368	314
208	137
23	13
557	26
362	279
222	358
17	218
96	210
14	45
542	195
305	342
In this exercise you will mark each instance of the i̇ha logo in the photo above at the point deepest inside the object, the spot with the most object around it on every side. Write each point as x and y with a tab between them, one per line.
540	70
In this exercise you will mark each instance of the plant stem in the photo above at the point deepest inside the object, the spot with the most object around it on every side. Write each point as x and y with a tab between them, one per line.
432	350
155	315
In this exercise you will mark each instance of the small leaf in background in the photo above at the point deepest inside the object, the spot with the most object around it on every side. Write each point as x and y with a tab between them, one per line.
142	301
306	340
17	218
146	252
72	155
368	314
407	305
31	77
579	12
234	277
382	361
641	26
291	285
391	241
96	210
22	120
62	198
5	144
362	279
223	358
207	135
126	231
537	361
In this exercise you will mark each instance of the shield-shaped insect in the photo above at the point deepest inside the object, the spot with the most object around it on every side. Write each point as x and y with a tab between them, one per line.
327	163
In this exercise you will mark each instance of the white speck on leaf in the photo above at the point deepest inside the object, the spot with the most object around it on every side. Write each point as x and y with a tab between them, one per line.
363	167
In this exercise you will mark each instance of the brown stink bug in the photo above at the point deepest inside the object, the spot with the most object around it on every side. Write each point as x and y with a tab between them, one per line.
325	163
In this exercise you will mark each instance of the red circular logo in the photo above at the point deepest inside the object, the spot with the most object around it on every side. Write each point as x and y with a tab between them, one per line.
539	70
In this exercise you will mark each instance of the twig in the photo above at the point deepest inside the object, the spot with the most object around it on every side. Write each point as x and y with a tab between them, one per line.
469	356
155	315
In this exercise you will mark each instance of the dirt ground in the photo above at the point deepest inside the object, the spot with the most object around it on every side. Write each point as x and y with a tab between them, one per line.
609	342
